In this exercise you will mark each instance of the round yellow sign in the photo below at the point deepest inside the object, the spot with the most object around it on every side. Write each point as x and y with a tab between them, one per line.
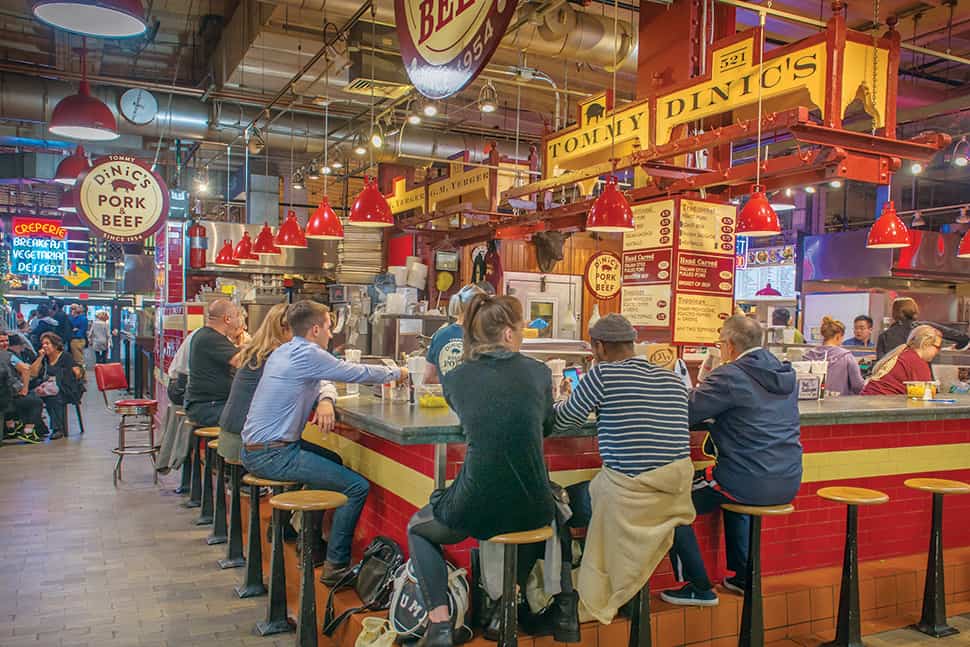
602	275
122	198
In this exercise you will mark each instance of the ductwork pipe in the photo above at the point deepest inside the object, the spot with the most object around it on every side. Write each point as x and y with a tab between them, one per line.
32	99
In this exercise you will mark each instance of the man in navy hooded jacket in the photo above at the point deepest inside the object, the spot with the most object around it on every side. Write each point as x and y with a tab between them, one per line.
752	405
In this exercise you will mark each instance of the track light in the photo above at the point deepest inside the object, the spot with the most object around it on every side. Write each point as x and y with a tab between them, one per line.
312	172
256	143
915	168
413	116
810	189
298	180
835	184
960	151
359	149
377	137
429	109
337	164
488	98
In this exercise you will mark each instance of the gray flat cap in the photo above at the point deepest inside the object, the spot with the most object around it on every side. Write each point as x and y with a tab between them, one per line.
613	328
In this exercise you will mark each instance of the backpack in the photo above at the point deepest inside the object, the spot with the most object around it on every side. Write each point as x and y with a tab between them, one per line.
408	615
372	579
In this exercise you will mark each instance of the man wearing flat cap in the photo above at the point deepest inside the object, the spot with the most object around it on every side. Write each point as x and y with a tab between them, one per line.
642	493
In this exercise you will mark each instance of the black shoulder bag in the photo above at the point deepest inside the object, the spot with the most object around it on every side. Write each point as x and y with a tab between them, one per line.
372	579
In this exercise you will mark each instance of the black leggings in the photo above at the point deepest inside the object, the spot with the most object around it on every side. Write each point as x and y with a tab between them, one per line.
28	409
426	536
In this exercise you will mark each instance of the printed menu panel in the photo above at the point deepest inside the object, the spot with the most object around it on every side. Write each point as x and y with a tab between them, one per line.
705	273
647	266
700	317
646	305
654	224
707	227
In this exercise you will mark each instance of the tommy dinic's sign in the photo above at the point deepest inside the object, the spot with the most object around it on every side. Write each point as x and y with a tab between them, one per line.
795	75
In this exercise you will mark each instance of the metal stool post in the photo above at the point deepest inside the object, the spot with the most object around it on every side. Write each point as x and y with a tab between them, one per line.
276	620
205	512
219	534
234	555
508	630
640	620
195	488
252	584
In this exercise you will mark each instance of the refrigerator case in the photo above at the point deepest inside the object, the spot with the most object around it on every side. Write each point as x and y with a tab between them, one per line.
557	299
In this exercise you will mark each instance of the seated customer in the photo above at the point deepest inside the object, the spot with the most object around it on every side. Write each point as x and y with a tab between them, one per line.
22	410
446	348
284	398
843	375
503	485
909	362
59	373
643	491
753	405
210	374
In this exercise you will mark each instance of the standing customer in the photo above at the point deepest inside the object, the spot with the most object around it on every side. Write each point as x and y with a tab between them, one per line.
503	485
42	323
63	321
906	363
905	319
447	347
61	383
643	491
79	334
210	374
280	407
754	406
861	332
844	375
781	317
99	336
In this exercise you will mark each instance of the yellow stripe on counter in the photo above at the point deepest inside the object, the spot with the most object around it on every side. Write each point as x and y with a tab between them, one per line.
890	461
407	483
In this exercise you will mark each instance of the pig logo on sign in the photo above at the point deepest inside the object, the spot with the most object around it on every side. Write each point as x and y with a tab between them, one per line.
594	112
119	184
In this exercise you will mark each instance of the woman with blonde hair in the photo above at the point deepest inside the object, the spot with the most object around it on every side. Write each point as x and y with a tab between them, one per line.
843	375
99	336
906	363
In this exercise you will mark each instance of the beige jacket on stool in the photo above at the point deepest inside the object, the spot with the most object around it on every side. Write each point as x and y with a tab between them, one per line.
631	530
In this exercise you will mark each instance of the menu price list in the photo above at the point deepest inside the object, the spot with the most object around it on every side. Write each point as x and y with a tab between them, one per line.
653	226
647	266
700	317
647	305
705	273
707	227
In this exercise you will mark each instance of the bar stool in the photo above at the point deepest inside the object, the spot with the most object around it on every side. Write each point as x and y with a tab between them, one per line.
848	630
276	620
234	553
933	619
195	461
219	531
511	541
752	614
137	416
253	581
305	501
205	512
185	483
640	618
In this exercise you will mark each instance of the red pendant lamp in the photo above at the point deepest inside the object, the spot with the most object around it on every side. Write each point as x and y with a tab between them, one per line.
264	245
370	209
610	212
95	18
889	232
225	257
757	217
72	166
324	223
82	116
290	233
244	250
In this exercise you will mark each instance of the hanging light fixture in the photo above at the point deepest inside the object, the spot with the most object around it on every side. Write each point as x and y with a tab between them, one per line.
377	137
72	166
225	257
611	212
413	116
82	116
918	220
313	171
265	245
97	18
888	232
757	218
960	153
370	209
359	148
429	109
488	98
67	203
244	250
290	233
254	141
337	164
297	183
324	223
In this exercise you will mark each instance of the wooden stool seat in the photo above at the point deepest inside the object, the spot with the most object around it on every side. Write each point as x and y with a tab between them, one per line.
308	500
853	495
938	486
207	432
232	461
760	510
533	536
258	481
213	444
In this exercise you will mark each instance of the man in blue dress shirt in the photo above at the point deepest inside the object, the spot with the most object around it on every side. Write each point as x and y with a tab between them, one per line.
283	402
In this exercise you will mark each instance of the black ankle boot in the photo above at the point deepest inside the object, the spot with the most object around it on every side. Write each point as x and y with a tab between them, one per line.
564	614
438	634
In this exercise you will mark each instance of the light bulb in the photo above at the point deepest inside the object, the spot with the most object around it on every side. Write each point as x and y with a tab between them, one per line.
376	140
915	168
430	109
337	164
414	119
835	184
326	170
810	189
960	160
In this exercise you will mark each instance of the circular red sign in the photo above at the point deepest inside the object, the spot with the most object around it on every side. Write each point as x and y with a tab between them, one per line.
122	199
602	275
446	43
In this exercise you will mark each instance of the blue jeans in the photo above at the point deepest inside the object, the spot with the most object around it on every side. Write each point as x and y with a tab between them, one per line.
685	555
291	463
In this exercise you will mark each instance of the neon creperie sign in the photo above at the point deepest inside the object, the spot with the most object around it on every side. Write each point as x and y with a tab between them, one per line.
39	247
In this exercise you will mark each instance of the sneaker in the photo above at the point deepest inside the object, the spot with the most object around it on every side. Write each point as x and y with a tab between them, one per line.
734	584
688	595
27	437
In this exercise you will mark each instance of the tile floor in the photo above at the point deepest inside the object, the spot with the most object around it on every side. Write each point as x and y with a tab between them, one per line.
85	564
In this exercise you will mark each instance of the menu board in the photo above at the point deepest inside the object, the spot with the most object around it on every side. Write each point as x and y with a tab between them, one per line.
705	273
647	266
700	317
707	227
647	305
654	226
776	281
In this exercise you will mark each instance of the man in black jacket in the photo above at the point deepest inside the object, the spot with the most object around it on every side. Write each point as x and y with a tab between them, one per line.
752	405
64	328
210	374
